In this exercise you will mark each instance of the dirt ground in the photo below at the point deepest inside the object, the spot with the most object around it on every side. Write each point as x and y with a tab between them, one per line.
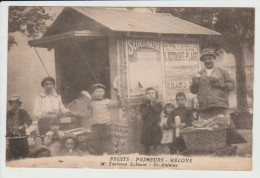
245	149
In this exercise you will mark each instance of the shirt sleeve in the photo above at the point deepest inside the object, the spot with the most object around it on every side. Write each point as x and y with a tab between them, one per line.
194	88
115	104
158	107
229	83
188	119
37	110
62	108
27	119
143	110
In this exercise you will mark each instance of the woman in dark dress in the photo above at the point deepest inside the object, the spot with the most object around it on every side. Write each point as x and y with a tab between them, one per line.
150	111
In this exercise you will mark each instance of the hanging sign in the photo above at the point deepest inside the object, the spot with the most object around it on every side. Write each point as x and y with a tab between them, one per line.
135	44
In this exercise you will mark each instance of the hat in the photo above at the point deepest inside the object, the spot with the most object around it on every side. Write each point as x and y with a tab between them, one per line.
208	51
15	97
98	85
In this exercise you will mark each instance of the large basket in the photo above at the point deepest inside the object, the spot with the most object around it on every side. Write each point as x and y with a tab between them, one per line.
205	140
242	120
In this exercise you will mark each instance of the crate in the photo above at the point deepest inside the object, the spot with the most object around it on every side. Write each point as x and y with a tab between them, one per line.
242	120
70	123
205	140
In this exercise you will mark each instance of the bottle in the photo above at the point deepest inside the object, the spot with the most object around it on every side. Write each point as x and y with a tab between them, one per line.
177	122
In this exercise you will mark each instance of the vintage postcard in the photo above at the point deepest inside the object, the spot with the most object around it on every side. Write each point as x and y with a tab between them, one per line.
130	88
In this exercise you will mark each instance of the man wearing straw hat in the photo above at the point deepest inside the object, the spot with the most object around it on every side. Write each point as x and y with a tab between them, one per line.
212	86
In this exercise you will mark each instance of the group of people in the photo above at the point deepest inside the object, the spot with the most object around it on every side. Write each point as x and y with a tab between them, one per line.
161	125
212	86
48	110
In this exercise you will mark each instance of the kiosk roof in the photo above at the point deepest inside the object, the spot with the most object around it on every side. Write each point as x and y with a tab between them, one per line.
132	21
93	22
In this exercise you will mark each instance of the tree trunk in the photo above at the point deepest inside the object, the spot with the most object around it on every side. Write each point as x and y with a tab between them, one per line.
241	81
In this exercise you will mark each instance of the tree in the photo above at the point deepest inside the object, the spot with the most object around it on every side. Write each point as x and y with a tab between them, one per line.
236	26
30	21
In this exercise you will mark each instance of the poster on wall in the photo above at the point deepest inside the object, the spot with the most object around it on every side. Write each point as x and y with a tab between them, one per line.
144	65
180	64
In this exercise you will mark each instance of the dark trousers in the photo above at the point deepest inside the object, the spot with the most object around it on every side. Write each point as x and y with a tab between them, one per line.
18	148
101	140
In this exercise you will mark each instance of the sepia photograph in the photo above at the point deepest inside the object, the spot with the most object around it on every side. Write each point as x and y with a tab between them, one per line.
130	87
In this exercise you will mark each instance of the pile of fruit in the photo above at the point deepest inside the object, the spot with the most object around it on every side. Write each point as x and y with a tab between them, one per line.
211	123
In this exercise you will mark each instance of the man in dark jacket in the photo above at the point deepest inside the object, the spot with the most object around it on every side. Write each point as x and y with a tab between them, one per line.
17	121
212	86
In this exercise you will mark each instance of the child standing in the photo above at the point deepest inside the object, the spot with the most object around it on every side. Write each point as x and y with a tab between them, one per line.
53	138
184	115
150	111
100	108
167	129
17	121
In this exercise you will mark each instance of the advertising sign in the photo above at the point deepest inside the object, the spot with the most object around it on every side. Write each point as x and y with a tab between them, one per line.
181	63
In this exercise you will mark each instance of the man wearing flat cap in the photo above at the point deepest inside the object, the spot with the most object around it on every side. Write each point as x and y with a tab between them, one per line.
17	121
212	86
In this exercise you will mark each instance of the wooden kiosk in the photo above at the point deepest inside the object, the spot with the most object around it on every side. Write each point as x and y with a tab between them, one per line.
133	49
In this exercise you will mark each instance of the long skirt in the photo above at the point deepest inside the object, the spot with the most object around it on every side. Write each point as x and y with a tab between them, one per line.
151	134
44	126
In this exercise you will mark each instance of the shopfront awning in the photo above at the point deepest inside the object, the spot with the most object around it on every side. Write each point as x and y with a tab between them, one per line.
51	41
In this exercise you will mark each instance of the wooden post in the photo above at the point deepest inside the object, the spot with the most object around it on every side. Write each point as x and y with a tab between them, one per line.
163	72
58	67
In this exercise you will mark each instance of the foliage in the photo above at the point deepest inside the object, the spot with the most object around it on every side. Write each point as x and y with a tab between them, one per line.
236	26
29	21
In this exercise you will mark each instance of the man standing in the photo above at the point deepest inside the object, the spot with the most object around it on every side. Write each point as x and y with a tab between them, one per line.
212	86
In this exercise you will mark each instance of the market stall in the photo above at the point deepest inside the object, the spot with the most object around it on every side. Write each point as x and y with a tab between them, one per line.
131	50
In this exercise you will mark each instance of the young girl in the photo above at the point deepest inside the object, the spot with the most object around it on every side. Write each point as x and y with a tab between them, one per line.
70	146
53	138
167	129
150	111
100	108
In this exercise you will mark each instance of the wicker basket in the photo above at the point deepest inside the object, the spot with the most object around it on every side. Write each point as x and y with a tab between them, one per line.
242	120
205	140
